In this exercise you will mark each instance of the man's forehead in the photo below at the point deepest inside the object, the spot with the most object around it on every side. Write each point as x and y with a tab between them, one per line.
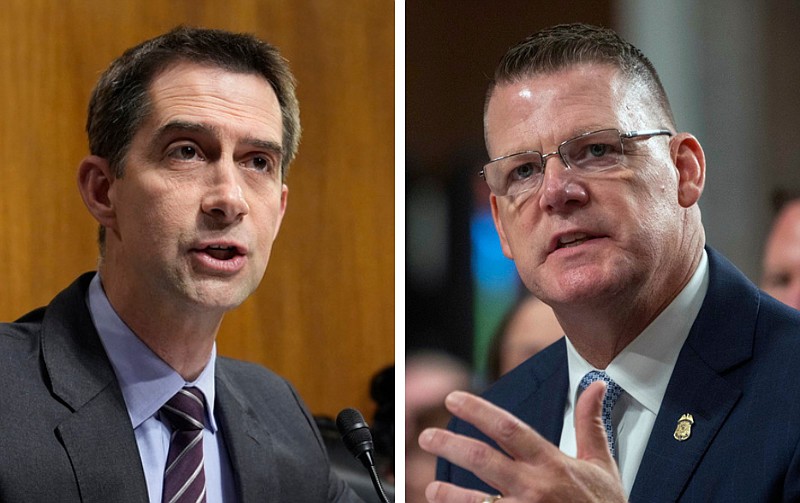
208	70
564	102
181	62
184	77
188	92
573	100
598	80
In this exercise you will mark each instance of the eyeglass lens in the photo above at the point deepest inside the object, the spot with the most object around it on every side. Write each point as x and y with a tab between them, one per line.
597	151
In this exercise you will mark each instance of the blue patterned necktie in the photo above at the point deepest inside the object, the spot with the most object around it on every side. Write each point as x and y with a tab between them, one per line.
184	475
613	392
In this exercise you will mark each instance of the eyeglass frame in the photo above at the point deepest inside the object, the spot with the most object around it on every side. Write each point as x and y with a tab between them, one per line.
627	135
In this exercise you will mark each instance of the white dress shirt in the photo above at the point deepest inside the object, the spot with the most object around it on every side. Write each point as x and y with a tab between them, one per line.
643	370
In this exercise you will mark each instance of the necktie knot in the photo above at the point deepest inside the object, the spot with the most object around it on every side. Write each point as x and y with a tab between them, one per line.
613	392
185	411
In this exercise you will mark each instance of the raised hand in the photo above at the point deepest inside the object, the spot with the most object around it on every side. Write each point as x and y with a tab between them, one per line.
530	469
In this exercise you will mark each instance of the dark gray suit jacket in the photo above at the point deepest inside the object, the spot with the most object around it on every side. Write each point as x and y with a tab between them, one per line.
65	434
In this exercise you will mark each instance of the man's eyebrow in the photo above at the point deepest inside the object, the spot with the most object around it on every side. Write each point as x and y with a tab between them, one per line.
184	126
210	130
266	145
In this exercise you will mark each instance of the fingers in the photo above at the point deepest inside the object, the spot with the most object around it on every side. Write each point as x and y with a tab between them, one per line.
489	464
516	438
590	433
533	467
440	492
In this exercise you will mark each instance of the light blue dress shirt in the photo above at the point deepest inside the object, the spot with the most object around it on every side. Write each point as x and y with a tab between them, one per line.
147	383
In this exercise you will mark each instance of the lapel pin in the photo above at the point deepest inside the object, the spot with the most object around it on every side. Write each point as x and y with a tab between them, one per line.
684	429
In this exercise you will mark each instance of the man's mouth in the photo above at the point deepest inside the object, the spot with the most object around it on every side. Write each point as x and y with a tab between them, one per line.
570	240
221	252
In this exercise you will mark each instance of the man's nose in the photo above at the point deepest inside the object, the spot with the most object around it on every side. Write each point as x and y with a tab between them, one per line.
225	199
562	190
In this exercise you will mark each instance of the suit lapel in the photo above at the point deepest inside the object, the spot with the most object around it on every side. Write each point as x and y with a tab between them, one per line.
100	444
97	436
668	464
720	339
545	405
248	444
547	378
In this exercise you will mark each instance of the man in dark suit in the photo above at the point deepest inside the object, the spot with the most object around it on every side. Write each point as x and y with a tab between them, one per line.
113	392
676	379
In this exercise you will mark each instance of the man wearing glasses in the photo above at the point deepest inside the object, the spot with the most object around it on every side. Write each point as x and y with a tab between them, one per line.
594	196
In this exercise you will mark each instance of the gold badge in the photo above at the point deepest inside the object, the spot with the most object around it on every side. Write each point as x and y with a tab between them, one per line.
684	429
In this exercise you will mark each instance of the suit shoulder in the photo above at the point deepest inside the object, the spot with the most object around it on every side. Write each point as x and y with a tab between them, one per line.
22	335
242	367
778	330
777	314
267	394
248	374
253	380
27	329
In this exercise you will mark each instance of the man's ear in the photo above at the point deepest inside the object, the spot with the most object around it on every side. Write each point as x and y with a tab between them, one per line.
690	161
284	199
95	181
498	224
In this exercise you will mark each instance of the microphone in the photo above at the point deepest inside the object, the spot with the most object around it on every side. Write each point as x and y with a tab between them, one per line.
358	440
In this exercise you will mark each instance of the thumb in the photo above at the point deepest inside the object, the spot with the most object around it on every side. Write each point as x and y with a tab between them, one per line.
590	433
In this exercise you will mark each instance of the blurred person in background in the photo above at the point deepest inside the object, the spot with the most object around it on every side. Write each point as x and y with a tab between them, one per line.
430	376
780	275
527	328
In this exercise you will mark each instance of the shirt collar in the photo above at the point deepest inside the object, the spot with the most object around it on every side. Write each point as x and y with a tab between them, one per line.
147	382
644	367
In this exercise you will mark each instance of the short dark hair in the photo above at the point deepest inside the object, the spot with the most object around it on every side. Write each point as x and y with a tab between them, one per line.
120	100
565	45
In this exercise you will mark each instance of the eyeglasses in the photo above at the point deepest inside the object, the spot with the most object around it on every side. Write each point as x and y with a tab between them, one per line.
591	152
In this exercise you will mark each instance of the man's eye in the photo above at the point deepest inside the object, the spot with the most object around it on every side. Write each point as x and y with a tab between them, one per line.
599	149
261	163
184	153
522	171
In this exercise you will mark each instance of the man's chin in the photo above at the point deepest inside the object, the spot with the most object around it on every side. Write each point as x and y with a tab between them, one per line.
221	296
578	286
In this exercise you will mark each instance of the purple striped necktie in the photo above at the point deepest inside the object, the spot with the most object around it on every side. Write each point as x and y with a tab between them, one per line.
184	475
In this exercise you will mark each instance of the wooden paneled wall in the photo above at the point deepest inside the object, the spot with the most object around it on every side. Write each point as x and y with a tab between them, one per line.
324	314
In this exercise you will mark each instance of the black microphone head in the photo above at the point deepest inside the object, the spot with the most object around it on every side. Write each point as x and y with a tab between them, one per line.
358	439
355	433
